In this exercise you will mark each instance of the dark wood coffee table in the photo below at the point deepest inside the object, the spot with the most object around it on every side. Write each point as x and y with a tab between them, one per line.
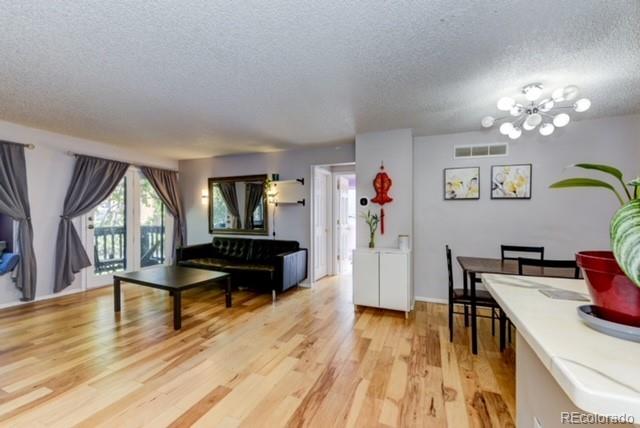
174	279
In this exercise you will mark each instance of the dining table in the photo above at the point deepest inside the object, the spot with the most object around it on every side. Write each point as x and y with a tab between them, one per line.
472	267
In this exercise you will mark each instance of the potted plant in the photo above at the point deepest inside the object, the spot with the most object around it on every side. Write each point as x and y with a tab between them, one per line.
613	277
372	221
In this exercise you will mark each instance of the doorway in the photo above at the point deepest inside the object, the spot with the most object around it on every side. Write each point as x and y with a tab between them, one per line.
127	231
345	221
333	219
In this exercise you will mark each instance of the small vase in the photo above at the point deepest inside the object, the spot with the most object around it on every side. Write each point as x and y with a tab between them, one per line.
372	241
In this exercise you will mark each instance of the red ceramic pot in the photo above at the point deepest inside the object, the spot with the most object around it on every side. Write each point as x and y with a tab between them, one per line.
615	295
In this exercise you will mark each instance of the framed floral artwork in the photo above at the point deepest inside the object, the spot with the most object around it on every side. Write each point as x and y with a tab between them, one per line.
461	183
511	181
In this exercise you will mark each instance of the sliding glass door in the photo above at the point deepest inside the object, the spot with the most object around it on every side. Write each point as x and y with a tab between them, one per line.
127	231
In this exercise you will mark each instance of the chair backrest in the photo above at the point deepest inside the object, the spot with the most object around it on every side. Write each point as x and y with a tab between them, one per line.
519	249
553	264
450	270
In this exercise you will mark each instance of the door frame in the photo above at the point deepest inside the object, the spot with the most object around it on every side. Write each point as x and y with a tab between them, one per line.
349	166
328	217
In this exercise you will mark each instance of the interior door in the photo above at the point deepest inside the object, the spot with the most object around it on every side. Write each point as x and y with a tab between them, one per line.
321	223
109	235
343	226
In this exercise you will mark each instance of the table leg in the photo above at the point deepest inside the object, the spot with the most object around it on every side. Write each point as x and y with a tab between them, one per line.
474	319
465	287
177	310
116	295
503	325
227	293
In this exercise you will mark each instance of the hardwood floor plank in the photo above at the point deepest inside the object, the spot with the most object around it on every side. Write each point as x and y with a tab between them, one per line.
307	360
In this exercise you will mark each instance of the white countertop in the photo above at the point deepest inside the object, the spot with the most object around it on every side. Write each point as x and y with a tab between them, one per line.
599	373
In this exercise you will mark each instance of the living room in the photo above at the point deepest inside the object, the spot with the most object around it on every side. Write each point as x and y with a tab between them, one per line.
221	214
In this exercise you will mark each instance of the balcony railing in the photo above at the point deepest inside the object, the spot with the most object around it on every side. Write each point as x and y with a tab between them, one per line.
110	248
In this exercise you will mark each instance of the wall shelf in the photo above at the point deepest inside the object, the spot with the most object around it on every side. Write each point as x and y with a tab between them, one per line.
289	192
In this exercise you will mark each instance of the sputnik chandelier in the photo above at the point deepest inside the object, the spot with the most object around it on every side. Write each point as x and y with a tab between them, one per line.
546	115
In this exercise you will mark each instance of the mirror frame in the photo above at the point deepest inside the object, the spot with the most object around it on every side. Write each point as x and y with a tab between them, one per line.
258	177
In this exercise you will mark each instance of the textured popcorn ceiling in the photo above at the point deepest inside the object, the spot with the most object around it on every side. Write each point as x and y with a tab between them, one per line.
200	77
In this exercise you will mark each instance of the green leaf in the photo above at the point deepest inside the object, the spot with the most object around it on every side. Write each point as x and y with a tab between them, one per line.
607	170
602	168
585	182
635	183
625	239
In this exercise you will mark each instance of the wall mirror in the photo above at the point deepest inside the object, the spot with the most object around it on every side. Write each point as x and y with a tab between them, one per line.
238	205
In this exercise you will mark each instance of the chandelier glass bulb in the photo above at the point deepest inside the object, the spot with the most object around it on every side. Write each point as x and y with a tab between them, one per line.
561	120
516	110
487	121
505	103
570	92
582	105
505	128
534	120
527	126
533	91
546	104
547	129
558	95
515	133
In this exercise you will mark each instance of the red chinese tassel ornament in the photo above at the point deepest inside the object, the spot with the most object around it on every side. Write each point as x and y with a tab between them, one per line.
382	184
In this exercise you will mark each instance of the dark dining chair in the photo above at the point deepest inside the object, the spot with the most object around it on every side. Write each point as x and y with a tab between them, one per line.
460	296
519	249
551	264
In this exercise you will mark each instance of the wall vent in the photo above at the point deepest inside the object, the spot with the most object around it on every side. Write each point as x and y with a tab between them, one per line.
480	150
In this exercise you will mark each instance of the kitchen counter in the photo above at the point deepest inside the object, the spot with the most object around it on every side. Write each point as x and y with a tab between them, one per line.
597	373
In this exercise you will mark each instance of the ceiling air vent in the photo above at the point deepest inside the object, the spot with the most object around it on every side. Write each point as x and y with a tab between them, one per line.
481	150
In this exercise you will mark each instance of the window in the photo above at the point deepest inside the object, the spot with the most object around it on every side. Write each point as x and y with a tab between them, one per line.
6	232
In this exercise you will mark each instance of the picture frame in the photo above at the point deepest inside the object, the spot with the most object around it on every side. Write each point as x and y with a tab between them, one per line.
511	181
461	184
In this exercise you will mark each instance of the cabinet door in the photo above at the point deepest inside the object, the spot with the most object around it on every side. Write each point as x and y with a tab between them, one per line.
394	281
365	278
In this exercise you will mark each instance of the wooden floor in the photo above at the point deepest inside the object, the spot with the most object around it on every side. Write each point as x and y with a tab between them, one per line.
308	360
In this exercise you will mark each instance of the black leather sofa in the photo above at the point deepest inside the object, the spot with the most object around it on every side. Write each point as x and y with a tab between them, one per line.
261	264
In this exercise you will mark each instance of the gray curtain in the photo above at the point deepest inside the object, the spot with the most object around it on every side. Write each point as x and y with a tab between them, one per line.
14	202
254	195
165	183
230	196
92	182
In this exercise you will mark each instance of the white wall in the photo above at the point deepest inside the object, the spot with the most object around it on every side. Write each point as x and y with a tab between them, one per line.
564	221
395	149
49	171
292	221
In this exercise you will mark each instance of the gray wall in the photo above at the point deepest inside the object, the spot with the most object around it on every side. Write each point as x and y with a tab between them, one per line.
564	221
394	148
292	221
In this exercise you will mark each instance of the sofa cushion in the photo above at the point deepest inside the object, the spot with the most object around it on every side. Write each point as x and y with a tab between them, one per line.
265	250
206	263
249	267
232	248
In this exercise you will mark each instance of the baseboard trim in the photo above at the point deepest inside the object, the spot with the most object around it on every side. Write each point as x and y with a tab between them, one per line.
41	298
431	300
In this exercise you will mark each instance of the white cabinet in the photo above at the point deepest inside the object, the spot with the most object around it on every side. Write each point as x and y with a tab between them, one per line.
382	279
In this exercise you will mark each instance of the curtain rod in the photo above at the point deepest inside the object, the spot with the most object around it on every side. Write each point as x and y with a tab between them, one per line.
26	146
70	153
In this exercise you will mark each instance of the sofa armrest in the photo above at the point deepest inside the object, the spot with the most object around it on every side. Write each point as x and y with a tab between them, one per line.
194	252
291	269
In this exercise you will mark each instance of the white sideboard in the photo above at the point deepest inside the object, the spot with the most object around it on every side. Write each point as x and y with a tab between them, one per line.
382	278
